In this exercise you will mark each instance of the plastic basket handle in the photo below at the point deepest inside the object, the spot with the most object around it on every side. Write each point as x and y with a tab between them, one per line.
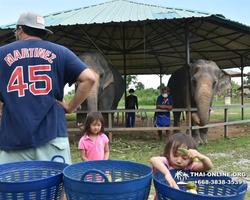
58	156
94	171
242	188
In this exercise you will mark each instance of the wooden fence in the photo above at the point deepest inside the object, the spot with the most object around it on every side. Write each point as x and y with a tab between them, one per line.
188	126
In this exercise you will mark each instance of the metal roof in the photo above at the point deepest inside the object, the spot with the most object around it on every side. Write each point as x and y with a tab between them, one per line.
147	39
116	11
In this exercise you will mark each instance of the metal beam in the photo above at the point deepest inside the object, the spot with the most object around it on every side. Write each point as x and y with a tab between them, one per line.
242	88
188	96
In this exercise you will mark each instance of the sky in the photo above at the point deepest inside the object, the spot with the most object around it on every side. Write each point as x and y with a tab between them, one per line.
231	9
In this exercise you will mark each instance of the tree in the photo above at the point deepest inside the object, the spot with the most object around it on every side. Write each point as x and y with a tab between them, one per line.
161	86
248	78
139	86
244	81
130	79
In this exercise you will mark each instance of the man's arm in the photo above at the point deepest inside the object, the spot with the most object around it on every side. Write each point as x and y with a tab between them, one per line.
86	81
167	107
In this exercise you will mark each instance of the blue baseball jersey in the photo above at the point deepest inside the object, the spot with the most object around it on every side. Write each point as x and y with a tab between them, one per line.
160	101
33	74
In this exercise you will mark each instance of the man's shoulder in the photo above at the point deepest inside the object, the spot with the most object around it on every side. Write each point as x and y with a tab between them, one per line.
160	97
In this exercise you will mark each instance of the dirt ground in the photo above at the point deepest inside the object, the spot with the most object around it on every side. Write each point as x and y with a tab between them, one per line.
213	133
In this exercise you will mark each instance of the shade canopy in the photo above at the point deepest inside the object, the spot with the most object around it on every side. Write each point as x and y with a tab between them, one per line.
235	74
147	39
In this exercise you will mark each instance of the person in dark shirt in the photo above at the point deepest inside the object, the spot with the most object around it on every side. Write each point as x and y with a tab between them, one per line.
165	102
131	103
33	74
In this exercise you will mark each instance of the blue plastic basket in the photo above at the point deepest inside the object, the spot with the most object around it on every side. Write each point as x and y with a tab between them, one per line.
31	180
210	187
89	180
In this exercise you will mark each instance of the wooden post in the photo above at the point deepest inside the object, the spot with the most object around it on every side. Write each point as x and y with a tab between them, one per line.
110	126
117	119
226	120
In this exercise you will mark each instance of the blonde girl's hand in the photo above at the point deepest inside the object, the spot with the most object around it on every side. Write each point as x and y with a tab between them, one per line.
171	181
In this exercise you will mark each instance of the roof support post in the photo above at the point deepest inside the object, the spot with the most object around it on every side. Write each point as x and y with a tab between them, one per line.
188	97
124	60
160	79
242	88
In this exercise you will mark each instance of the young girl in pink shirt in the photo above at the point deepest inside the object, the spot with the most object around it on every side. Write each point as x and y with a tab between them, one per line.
94	143
176	159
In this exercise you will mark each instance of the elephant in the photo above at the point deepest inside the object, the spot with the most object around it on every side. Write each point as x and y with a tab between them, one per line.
206	80
108	89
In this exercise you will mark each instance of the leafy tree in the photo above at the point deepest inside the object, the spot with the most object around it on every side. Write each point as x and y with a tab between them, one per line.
161	86
69	96
139	86
234	88
248	78
130	79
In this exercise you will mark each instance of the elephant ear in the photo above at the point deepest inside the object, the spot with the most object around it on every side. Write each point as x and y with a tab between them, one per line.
224	82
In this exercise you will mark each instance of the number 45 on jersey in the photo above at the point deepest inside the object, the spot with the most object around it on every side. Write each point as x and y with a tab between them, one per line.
16	82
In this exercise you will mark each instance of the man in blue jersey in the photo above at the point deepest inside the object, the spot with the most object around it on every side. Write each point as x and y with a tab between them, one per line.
33	73
164	101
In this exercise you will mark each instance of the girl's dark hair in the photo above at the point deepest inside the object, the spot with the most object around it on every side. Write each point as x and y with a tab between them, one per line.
179	140
34	31
92	116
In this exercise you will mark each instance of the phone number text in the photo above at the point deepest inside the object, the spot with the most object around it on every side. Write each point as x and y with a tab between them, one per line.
218	182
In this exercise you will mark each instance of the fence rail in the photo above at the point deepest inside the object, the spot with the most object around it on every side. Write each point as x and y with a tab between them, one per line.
189	127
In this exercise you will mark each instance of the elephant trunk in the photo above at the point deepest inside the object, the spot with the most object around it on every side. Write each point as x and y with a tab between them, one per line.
203	96
92	99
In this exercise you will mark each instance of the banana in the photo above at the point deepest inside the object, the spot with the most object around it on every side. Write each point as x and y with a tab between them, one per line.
192	191
109	177
118	179
185	151
191	186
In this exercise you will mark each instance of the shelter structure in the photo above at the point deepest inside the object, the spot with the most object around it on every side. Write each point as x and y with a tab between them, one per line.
139	38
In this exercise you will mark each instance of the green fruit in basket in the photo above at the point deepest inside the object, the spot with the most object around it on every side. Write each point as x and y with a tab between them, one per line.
185	151
191	186
192	191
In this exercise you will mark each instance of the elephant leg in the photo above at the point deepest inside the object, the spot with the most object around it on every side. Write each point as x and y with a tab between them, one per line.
203	134
177	116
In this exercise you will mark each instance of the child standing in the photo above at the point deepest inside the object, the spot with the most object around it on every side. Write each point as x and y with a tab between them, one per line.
178	160
94	143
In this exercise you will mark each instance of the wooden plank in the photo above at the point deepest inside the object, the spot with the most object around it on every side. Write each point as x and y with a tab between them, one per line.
136	129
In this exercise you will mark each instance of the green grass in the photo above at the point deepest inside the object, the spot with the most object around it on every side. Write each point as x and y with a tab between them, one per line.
228	155
71	117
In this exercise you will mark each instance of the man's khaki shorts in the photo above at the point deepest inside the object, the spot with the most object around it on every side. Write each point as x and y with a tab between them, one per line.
59	146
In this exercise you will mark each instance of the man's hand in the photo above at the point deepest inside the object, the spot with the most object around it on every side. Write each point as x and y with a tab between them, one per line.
66	106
